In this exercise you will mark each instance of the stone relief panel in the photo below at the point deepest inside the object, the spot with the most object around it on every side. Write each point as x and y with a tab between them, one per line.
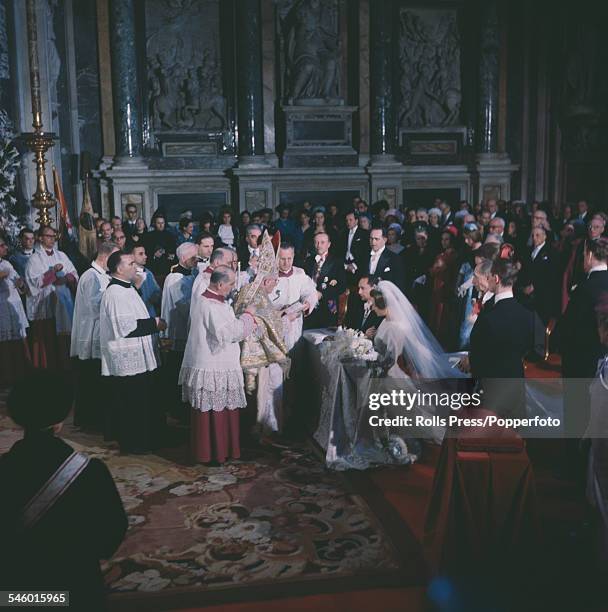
184	73
584	83
309	37
429	57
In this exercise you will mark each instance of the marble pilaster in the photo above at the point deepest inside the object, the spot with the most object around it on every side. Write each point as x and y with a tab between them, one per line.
125	87
494	168
364	86
382	137
249	78
268	79
489	78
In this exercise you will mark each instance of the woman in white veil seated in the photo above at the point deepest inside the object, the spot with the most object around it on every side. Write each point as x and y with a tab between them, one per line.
404	334
413	360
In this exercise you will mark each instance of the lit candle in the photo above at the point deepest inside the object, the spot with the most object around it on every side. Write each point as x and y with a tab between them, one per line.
238	276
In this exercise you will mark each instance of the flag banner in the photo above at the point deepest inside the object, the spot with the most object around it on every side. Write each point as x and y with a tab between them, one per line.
87	238
66	230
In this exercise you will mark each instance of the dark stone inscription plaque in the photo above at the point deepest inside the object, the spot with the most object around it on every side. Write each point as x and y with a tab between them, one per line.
312	132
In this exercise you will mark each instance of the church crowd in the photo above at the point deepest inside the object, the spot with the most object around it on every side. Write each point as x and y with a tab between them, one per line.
153	327
200	326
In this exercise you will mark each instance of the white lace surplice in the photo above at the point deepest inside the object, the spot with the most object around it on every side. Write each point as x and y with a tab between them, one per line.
122	356
85	327
211	376
13	321
41	303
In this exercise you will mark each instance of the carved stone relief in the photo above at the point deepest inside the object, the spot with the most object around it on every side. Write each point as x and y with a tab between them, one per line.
429	55
310	40
581	78
183	66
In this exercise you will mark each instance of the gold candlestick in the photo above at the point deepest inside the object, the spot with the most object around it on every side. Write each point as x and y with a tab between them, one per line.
38	141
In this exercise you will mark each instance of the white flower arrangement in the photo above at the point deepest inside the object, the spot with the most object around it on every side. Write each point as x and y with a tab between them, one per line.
349	343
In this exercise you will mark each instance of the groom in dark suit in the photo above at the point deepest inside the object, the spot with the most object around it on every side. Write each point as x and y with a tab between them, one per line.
327	272
502	336
360	315
580	341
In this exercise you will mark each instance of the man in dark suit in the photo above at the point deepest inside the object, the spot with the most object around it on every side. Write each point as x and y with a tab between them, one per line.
384	264
447	216
251	247
540	280
354	249
129	225
160	247
580	342
78	518
360	314
502	336
328	274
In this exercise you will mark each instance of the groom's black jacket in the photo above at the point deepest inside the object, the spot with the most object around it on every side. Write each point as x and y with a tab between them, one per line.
502	336
355	315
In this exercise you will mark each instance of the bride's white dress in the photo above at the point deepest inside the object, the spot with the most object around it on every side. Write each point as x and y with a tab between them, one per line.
345	431
404	333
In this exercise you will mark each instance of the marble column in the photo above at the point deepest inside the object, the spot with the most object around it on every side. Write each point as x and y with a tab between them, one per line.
489	78
494	168
249	79
382	136
125	86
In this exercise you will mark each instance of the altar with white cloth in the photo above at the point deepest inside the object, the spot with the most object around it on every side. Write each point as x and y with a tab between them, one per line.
343	429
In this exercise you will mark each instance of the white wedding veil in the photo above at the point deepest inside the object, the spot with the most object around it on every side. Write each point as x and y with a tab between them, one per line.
406	329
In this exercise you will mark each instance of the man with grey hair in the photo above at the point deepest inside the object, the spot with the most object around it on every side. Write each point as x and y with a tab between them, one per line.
220	257
497	227
422	215
211	375
175	311
251	249
84	347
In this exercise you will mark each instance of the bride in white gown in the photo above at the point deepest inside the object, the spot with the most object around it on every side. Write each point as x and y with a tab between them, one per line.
404	334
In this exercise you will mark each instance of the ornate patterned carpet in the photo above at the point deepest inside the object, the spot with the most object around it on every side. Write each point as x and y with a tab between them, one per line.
274	523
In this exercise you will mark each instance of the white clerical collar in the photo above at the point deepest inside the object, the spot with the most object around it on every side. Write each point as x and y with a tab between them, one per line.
504	295
97	267
376	254
536	250
599	268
